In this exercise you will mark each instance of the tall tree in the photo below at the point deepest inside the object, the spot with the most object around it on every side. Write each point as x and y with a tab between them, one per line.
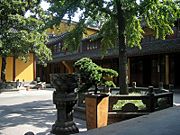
121	20
21	35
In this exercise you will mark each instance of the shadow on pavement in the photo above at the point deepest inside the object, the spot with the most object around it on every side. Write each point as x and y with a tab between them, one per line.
40	114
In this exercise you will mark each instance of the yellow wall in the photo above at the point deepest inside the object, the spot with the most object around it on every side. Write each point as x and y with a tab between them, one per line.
64	27
9	68
0	66
25	70
90	31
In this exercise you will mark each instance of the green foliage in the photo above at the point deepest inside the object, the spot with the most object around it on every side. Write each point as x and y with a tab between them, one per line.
138	103
21	35
121	20
121	103
94	75
73	39
109	39
159	15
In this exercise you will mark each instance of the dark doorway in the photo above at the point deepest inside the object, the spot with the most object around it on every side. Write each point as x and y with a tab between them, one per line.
177	70
136	69
147	62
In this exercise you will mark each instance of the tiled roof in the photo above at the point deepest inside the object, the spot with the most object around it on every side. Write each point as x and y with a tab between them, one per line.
56	39
156	47
150	48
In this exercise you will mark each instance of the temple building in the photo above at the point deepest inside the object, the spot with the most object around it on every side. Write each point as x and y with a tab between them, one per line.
156	62
26	71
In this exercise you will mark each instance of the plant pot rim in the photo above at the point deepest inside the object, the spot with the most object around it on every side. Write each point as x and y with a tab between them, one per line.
97	95
62	74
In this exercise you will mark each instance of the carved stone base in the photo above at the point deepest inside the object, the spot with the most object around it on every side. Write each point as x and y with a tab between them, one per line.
64	98
64	129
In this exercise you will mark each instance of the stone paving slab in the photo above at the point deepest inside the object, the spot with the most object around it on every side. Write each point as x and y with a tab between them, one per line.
32	110
165	122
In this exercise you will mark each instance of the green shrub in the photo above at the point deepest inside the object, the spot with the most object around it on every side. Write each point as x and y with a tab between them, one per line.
121	103
93	75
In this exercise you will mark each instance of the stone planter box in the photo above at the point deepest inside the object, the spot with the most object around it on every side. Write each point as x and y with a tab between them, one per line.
96	110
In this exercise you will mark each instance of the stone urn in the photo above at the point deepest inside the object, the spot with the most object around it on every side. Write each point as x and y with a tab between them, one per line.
64	97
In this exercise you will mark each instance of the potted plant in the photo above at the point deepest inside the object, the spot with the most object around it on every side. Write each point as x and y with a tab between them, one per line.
92	75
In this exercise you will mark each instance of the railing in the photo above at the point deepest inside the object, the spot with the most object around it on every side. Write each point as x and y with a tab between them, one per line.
151	98
91	46
146	93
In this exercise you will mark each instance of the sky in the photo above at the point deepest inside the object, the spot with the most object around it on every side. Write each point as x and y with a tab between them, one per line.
46	5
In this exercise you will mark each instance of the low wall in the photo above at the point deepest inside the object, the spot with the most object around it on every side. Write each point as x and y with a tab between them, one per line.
164	122
153	98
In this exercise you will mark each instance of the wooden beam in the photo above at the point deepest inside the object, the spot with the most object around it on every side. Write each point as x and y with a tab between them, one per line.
129	71
167	70
68	67
34	67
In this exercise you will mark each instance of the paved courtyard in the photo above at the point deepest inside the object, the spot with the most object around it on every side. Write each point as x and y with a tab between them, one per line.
177	98
33	110
24	111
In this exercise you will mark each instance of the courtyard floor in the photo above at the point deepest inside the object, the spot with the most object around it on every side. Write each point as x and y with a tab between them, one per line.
23	111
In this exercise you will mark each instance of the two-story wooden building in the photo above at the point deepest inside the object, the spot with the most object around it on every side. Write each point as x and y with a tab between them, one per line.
157	61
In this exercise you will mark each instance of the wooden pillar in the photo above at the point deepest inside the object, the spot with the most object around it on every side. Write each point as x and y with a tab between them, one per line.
68	67
34	67
52	68
47	73
80	49
61	68
166	69
129	72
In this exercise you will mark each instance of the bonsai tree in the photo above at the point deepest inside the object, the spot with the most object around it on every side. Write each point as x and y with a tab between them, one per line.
94	75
